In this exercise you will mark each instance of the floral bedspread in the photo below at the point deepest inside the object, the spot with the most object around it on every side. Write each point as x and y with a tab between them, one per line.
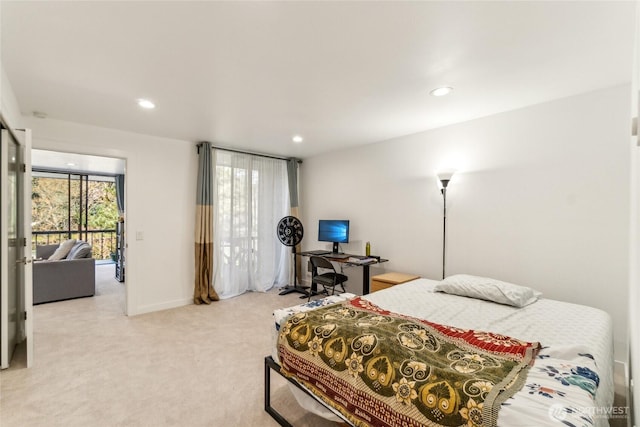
384	369
561	388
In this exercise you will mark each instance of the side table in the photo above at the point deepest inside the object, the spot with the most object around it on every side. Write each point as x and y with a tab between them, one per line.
383	281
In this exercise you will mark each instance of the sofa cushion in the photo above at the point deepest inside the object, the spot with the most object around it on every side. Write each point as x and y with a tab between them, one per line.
63	250
80	250
60	280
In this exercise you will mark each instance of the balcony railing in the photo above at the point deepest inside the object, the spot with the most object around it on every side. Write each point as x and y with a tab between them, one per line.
103	242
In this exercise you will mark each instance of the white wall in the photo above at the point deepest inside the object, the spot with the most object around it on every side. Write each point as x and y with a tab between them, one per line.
8	104
634	219
160	202
541	198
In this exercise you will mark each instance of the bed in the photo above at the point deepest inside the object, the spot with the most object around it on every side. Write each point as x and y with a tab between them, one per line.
569	379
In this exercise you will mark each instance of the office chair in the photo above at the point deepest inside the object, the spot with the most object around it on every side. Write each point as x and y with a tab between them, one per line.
330	279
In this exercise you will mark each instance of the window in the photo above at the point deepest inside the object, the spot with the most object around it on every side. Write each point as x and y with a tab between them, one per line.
74	206
250	196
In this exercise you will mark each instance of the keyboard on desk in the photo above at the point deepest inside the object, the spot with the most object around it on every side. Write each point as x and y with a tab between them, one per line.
318	252
336	256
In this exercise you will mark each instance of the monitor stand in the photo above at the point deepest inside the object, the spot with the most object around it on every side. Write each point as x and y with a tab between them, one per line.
336	250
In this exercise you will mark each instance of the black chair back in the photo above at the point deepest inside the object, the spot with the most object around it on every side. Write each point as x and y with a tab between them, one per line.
320	262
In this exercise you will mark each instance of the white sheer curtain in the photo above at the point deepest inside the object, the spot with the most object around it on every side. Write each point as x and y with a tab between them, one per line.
250	196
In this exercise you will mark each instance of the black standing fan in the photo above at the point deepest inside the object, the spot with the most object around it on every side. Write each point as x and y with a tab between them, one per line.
290	232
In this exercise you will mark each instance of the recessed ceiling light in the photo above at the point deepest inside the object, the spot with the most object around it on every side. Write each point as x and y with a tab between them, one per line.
297	139
441	91
71	164
145	103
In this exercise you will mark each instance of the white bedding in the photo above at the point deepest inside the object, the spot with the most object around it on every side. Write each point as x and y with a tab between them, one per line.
571	336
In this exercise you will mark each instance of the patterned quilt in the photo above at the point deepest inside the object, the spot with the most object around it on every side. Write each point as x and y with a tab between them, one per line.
379	368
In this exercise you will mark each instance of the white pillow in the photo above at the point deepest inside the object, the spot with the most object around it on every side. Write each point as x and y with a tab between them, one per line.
62	250
488	289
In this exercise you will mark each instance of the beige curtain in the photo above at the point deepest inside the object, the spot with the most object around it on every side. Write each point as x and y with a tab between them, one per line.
203	291
292	174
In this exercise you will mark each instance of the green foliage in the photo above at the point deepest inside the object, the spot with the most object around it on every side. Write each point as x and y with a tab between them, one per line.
103	212
49	204
55	201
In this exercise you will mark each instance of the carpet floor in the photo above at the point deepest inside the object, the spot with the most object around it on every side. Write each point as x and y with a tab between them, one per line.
189	366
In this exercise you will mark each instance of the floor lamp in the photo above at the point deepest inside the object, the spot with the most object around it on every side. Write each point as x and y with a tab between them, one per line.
443	179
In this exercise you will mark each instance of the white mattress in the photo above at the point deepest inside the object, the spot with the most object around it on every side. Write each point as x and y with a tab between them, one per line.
555	324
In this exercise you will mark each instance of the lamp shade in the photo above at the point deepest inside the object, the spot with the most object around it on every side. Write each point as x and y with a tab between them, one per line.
444	177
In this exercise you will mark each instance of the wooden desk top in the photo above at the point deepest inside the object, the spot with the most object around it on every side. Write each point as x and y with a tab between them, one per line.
344	258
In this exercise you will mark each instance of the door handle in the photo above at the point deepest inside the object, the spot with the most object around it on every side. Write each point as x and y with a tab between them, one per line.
24	261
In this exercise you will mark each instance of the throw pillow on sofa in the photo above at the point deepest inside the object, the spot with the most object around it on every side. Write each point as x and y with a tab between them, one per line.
63	250
80	250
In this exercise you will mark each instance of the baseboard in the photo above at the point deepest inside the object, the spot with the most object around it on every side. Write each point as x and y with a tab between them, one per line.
620	375
621	397
162	306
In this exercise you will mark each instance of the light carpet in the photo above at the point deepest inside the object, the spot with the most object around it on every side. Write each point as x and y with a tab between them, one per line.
189	366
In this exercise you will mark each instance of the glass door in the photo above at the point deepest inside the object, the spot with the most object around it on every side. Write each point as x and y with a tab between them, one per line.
11	248
16	292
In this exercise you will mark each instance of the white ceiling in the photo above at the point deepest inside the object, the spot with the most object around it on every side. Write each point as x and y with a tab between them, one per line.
252	74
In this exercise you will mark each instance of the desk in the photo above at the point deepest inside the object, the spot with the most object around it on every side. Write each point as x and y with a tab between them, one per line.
365	269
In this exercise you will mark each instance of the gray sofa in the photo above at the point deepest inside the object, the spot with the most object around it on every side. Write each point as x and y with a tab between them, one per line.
63	279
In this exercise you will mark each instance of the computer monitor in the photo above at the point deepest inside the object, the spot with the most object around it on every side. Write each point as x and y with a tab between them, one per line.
334	231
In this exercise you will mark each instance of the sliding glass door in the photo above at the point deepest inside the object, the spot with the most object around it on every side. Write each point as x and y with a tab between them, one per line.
75	206
250	196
